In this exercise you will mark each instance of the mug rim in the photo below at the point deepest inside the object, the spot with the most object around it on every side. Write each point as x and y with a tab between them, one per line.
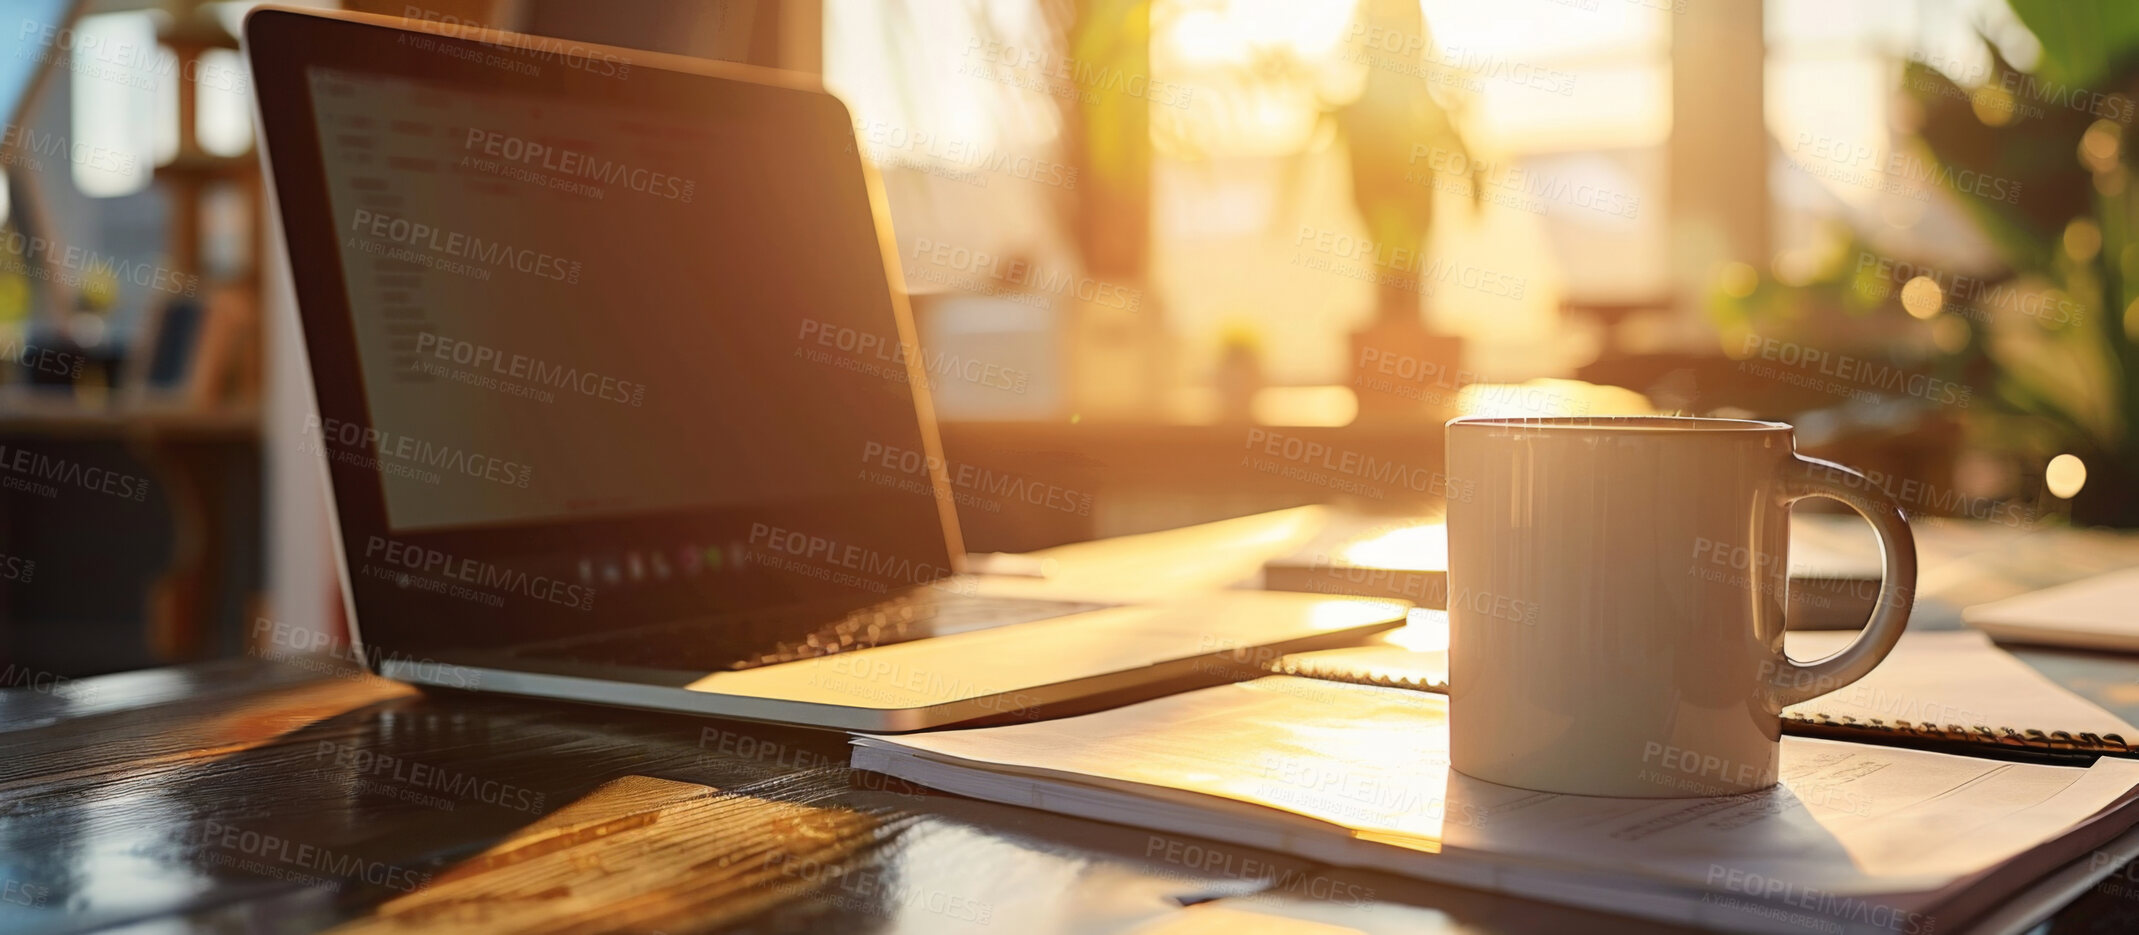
1622	423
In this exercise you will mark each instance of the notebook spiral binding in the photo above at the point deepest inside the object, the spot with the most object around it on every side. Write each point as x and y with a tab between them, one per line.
2084	743
2032	745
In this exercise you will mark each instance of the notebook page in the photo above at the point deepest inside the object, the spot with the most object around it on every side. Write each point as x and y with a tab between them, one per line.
1940	677
1957	677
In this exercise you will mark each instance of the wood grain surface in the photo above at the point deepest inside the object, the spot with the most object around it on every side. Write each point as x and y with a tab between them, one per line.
265	796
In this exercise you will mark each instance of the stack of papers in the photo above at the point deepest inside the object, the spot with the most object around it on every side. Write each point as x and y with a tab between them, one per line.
1856	837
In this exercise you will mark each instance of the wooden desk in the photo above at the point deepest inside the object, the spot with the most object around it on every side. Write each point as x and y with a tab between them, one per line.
252	795
238	795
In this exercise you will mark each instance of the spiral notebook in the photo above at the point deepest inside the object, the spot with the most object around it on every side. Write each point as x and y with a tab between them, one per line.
1948	692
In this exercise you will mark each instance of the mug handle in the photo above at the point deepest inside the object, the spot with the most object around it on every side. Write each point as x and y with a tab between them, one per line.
1803	477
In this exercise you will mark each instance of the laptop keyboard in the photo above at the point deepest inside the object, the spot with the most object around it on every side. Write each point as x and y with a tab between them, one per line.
710	645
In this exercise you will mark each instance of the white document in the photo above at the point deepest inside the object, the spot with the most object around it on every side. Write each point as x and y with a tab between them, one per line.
1357	775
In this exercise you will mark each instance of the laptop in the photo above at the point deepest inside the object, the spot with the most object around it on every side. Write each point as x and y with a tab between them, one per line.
616	404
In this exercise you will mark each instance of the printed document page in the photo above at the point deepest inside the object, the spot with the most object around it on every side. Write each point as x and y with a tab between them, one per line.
1373	762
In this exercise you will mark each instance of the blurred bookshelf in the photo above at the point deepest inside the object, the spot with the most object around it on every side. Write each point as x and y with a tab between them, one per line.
130	411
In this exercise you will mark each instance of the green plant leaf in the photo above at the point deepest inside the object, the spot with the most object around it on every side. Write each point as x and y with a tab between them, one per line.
2082	40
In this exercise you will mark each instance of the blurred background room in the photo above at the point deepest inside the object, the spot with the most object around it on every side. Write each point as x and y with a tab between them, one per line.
1172	261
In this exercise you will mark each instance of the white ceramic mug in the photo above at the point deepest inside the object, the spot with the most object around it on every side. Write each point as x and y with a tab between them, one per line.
1616	592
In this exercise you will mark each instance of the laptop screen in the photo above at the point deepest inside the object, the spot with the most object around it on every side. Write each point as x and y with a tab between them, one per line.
610	348
558	318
